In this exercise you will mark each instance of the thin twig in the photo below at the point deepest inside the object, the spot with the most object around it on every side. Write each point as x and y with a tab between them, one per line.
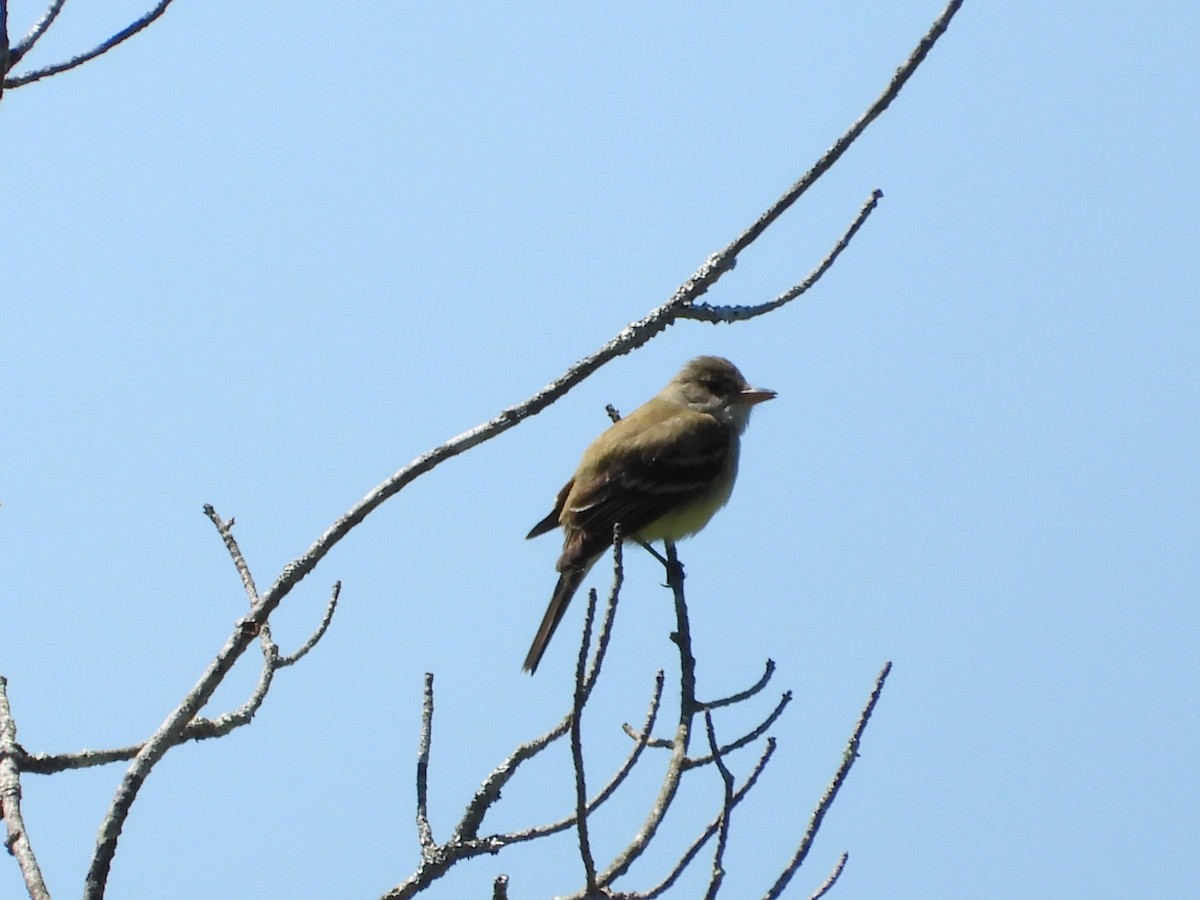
580	698
225	530
424	830
322	627
199	728
733	699
270	650
17	837
489	792
463	843
610	614
829	882
722	260
718	871
703	312
40	27
641	739
839	778
124	34
687	710
747	738
706	835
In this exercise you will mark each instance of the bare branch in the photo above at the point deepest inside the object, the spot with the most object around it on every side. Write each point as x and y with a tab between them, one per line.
749	737
724	259
703	312
641	740
225	723
687	709
124	34
322	627
463	844
424	830
580	698
697	845
489	791
829	882
6	60
198	729
848	758
40	27
17	838
733	699
718	873
225	530
610	613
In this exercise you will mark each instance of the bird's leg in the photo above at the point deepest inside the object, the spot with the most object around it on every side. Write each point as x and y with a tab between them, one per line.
650	549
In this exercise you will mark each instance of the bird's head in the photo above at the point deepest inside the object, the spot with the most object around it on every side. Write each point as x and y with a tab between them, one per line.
714	385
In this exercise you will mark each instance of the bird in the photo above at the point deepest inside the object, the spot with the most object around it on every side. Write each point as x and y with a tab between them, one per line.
660	473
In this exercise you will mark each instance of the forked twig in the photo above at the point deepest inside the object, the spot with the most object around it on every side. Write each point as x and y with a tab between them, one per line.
103	47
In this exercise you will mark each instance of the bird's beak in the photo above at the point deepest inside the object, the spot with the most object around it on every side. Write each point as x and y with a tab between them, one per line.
751	396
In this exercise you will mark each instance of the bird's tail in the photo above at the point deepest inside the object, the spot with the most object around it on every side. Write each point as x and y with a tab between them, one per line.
568	584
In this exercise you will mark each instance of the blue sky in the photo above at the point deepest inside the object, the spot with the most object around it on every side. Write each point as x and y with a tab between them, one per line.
262	260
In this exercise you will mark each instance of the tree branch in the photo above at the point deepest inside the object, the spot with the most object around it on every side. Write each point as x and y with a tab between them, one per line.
718	872
424	830
630	337
580	698
40	27
697	845
17	839
839	778
829	882
724	259
703	312
44	23
6	60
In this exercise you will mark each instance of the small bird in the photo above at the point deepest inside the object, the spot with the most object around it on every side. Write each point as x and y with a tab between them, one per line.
661	473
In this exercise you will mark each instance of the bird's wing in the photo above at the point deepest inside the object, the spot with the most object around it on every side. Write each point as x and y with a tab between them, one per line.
551	521
638	488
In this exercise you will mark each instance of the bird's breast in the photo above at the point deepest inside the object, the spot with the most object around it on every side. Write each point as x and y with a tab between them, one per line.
689	518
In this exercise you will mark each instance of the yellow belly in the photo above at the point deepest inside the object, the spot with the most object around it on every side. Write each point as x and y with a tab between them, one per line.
689	519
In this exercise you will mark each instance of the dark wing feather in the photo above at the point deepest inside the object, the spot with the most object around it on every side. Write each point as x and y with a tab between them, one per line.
638	488
551	521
